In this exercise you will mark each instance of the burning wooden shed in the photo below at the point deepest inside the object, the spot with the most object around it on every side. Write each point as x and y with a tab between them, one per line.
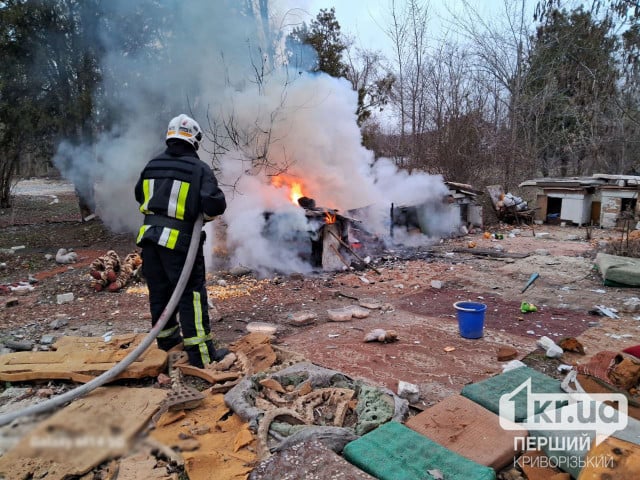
322	240
434	218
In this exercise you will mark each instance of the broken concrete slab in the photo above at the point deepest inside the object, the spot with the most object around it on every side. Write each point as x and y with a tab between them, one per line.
370	303
81	359
84	434
302	318
262	327
340	314
19	345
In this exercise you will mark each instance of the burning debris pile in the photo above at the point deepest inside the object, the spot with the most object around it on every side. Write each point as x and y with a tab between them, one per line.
327	239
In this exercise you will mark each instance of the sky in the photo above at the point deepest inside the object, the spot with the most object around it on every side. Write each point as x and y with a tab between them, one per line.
366	20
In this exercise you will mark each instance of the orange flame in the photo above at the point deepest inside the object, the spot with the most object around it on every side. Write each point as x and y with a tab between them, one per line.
296	192
329	217
295	187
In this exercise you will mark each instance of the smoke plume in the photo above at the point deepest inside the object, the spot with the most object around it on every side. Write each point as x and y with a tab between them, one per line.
299	126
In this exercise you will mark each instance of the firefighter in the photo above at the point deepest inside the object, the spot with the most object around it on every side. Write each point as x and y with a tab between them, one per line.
173	189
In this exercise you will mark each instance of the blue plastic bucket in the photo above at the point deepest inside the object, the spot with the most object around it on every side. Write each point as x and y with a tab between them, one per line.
470	318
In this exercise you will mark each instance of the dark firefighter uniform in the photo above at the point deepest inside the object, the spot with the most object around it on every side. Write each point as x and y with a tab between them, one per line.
173	189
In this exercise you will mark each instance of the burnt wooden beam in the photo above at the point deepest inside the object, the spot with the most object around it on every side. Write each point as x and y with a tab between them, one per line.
490	253
345	245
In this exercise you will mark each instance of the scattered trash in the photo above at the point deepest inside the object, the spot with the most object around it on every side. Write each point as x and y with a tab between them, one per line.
381	335
107	336
436	474
532	278
110	273
527	307
449	349
11	302
564	368
506	354
609	312
552	350
437	284
571	344
65	256
631	305
512	365
408	391
21	288
64	298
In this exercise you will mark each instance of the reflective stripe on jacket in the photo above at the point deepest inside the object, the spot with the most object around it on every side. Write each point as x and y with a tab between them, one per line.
173	189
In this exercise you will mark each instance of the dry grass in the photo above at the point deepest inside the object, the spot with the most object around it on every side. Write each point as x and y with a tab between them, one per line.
628	245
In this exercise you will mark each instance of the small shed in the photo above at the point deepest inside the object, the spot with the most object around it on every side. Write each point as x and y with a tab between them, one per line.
443	216
599	199
618	198
463	197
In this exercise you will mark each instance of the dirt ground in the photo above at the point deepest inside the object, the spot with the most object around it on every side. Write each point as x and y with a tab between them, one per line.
429	351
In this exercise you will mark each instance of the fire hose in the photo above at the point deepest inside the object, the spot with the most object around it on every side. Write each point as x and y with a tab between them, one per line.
121	366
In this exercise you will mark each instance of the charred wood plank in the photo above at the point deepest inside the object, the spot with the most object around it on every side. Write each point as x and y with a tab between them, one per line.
490	253
345	245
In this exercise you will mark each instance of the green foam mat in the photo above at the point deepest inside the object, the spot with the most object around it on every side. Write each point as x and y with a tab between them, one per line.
395	452
487	393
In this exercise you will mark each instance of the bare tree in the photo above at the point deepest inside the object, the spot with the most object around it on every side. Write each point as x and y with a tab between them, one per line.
500	49
408	33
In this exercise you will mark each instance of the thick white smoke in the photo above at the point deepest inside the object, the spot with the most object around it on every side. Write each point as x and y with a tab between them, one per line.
304	123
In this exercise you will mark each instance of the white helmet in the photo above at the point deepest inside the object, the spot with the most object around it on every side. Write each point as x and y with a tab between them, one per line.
185	128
